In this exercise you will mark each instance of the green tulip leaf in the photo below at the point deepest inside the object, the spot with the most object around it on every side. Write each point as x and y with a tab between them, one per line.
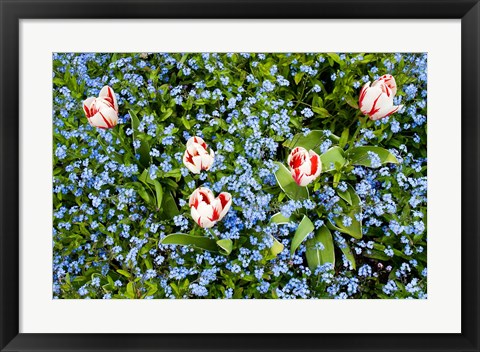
311	141
345	196
189	240
143	193
303	229
360	156
344	137
226	245
135	120
144	177
347	251
288	184
277	247
169	207
275	250
144	152
278	218
320	249
159	193
350	210
333	158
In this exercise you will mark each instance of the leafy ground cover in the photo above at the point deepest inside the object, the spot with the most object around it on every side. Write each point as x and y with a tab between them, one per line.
239	175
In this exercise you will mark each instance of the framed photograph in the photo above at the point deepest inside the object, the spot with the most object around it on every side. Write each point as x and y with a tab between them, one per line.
239	176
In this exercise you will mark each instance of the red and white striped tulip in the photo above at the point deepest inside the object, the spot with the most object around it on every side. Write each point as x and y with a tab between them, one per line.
207	210
305	166
376	100
102	112
196	157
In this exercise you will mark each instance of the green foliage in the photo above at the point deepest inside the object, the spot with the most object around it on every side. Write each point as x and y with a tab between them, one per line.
350	204
304	229
137	248
196	241
310	141
333	159
359	155
320	249
288	185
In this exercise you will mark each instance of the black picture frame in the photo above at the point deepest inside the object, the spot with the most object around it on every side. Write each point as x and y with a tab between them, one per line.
13	10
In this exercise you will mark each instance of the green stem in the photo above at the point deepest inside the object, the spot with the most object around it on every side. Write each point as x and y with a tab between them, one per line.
213	234
99	140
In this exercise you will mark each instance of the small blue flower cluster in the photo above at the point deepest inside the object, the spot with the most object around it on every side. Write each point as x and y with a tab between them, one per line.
117	193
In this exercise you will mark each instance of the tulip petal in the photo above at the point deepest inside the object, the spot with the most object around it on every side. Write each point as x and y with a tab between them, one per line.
224	201
197	155
390	82
216	213
87	104
195	215
206	161
197	161
193	168
370	98
202	210
297	157
304	163
206	223
202	221
189	164
298	176
194	199
194	150
206	195
316	164
201	194
362	94
197	140
205	210
393	110
385	109
306	180
98	120
108	95
199	149
376	101
305	167
110	115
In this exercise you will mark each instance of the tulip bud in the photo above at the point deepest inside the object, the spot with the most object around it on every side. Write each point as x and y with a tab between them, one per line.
207	210
376	100
196	157
305	166
102	112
